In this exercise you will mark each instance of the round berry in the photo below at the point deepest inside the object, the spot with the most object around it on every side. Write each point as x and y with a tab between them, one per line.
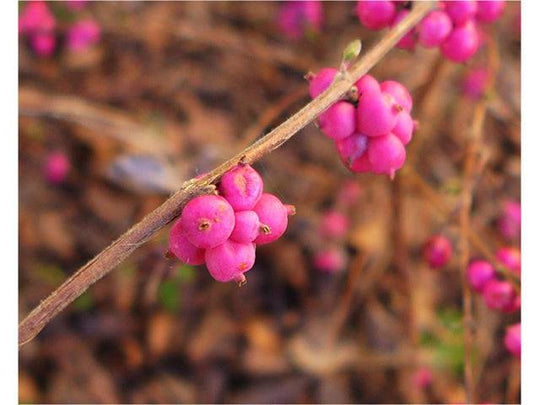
43	43
321	81
182	248
462	43
499	295
352	149
334	224
246	227
57	167
460	11
295	18
434	29
408	41
208	221
423	377
404	127
512	339
511	258
349	193
489	10
228	261
474	83
367	84
400	93
386	154
330	260
338	121
376	114
242	186
273	214
437	251
375	15
479	272
510	222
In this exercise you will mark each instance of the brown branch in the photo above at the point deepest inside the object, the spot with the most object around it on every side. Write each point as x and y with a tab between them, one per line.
113	255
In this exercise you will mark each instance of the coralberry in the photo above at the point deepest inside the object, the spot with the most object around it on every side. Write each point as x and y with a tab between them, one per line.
386	154
509	223
460	11
434	29
375	14
273	214
296	18
182	248
242	186
208	221
82	34
499	295
56	167
338	121
462	43
334	224
474	83
376	114
512	339
479	272
511	258
330	260
489	10
320	82
437	251
400	93
228	261
246	227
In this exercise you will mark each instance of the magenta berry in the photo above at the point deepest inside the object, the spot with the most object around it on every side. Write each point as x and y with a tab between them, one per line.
242	186
386	154
509	223
479	272
273	214
423	377
246	227
57	167
182	248
489	10
208	221
352	149
475	82
330	260
375	14
376	114
334	225
321	81
43	43
228	261
408	41
460	11
400	93
82	34
499	295
512	339
404	127
349	193
434	29
462	43
338	121
297	18
437	251
511	258
367	84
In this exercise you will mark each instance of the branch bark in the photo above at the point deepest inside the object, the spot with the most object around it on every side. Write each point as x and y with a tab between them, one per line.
141	232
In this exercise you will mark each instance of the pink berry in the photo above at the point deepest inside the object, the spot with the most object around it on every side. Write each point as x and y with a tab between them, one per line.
246	227
489	10
43	43
367	84
376	114
208	221
57	167
462	43
479	272
460	11
386	154
511	258
499	295
349	193
512	339
352	150
83	34
228	261
375	15
321	81
434	29
330	260
404	127
423	377
408	41
437	251
338	121
474	83
36	17
334	225
399	92
510	222
242	186
296	18
273	214
182	248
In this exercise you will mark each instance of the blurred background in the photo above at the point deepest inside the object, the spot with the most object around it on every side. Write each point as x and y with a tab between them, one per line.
121	102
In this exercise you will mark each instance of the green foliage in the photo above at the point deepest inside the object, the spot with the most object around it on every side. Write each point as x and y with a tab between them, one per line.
170	290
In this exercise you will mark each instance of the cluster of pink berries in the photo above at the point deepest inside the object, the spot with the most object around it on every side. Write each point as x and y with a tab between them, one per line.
38	24
223	230
334	225
371	130
453	27
297	19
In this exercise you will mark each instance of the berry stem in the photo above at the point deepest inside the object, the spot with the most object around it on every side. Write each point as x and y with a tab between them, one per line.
141	232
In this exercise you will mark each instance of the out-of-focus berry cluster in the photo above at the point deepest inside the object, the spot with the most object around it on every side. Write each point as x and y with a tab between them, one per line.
454	27
370	130
39	26
223	230
297	19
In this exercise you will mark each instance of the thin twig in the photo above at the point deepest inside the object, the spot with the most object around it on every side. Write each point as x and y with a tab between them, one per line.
113	255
